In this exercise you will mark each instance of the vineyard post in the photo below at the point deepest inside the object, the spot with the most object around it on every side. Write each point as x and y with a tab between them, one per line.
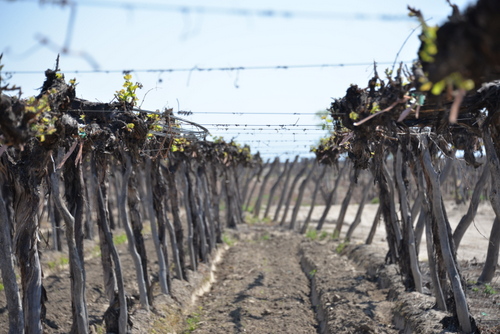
285	188
254	186
291	191
345	204
300	196
331	197
317	185
357	218
258	203
236	193
252	174
373	229
274	187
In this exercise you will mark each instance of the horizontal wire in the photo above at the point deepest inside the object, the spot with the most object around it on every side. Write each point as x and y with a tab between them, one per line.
267	130
244	125
303	133
205	69
229	11
282	141
243	113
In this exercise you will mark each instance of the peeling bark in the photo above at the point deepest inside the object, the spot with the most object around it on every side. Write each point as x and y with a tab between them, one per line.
74	238
11	288
461	308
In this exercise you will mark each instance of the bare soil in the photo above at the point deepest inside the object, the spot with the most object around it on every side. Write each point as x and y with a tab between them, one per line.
260	288
274	281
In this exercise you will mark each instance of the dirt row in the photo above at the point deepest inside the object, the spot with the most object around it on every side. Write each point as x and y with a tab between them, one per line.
268	281
273	281
260	288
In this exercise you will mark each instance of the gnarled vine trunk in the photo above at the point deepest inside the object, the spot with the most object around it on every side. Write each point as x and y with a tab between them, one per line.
74	238
11	288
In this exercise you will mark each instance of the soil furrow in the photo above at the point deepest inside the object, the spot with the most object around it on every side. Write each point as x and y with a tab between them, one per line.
260	288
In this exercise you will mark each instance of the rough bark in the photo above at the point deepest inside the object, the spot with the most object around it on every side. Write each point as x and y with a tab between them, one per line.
117	313
233	212
26	201
131	236
461	308
491	141
409	262
192	249
174	205
74	238
90	207
55	222
212	182
238	204
11	288
135	219
197	210
99	165
426	218
118	299
208	220
153	204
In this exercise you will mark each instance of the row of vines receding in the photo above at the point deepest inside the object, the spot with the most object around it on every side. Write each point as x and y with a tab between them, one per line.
119	166
443	108
96	167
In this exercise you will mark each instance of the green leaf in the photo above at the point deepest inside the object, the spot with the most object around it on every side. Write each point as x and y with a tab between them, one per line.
438	87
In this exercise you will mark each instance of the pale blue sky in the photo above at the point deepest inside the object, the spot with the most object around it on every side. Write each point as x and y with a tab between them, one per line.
149	36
